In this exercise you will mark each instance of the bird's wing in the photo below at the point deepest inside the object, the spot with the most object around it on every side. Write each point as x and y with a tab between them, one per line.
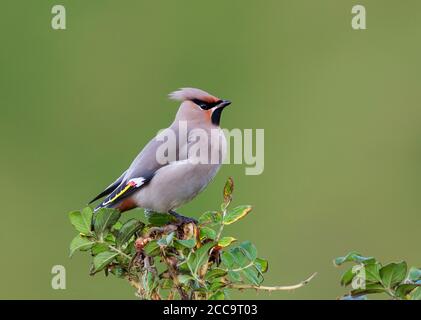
123	191
136	176
140	172
110	188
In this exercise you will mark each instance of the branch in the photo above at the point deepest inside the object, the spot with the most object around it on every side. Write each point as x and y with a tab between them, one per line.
243	268
174	276
119	252
135	284
274	288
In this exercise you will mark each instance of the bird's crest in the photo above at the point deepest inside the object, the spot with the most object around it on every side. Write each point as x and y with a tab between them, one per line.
192	93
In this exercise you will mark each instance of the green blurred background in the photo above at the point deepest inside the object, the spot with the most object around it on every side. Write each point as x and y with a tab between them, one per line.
340	109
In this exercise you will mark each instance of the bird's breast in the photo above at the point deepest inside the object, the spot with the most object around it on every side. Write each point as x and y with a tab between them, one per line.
206	146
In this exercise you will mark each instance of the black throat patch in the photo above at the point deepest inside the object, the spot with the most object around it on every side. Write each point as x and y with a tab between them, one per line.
216	116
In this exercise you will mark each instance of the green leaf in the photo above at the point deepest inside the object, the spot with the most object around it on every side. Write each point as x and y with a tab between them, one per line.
127	231
251	275
189	243
110	238
103	259
160	219
207	233
416	294
217	284
184	278
202	254
249	250
215	273
183	267
234	276
228	190
118	272
393	273
414	274
117	226
240	258
82	220
347	277
210	217
104	220
162	242
200	257
228	259
217	296
98	248
152	248
80	243
169	238
150	282
369	288
403	290
353	257
372	272
167	241
262	265
236	214
167	284
226	241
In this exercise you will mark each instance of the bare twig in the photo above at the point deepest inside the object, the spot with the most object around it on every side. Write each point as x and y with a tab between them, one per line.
274	288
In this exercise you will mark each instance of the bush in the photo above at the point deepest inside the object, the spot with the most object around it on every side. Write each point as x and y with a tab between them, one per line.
368	276
168	260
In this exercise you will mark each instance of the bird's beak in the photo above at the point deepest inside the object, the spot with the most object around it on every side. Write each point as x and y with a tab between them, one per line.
224	103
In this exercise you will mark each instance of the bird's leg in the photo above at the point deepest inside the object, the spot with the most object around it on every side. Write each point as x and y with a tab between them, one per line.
182	219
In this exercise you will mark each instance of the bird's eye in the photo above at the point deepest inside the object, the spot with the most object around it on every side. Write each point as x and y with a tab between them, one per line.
202	104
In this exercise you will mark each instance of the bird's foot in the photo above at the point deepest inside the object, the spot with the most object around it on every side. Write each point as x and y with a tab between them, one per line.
182	219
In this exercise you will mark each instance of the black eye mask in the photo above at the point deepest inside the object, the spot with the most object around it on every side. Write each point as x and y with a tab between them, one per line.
206	105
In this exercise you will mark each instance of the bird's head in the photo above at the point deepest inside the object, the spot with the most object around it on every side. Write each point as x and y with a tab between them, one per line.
199	105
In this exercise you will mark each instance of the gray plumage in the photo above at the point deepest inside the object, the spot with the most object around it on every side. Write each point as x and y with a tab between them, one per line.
163	187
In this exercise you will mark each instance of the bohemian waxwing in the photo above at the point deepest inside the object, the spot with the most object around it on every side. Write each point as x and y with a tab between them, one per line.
163	186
